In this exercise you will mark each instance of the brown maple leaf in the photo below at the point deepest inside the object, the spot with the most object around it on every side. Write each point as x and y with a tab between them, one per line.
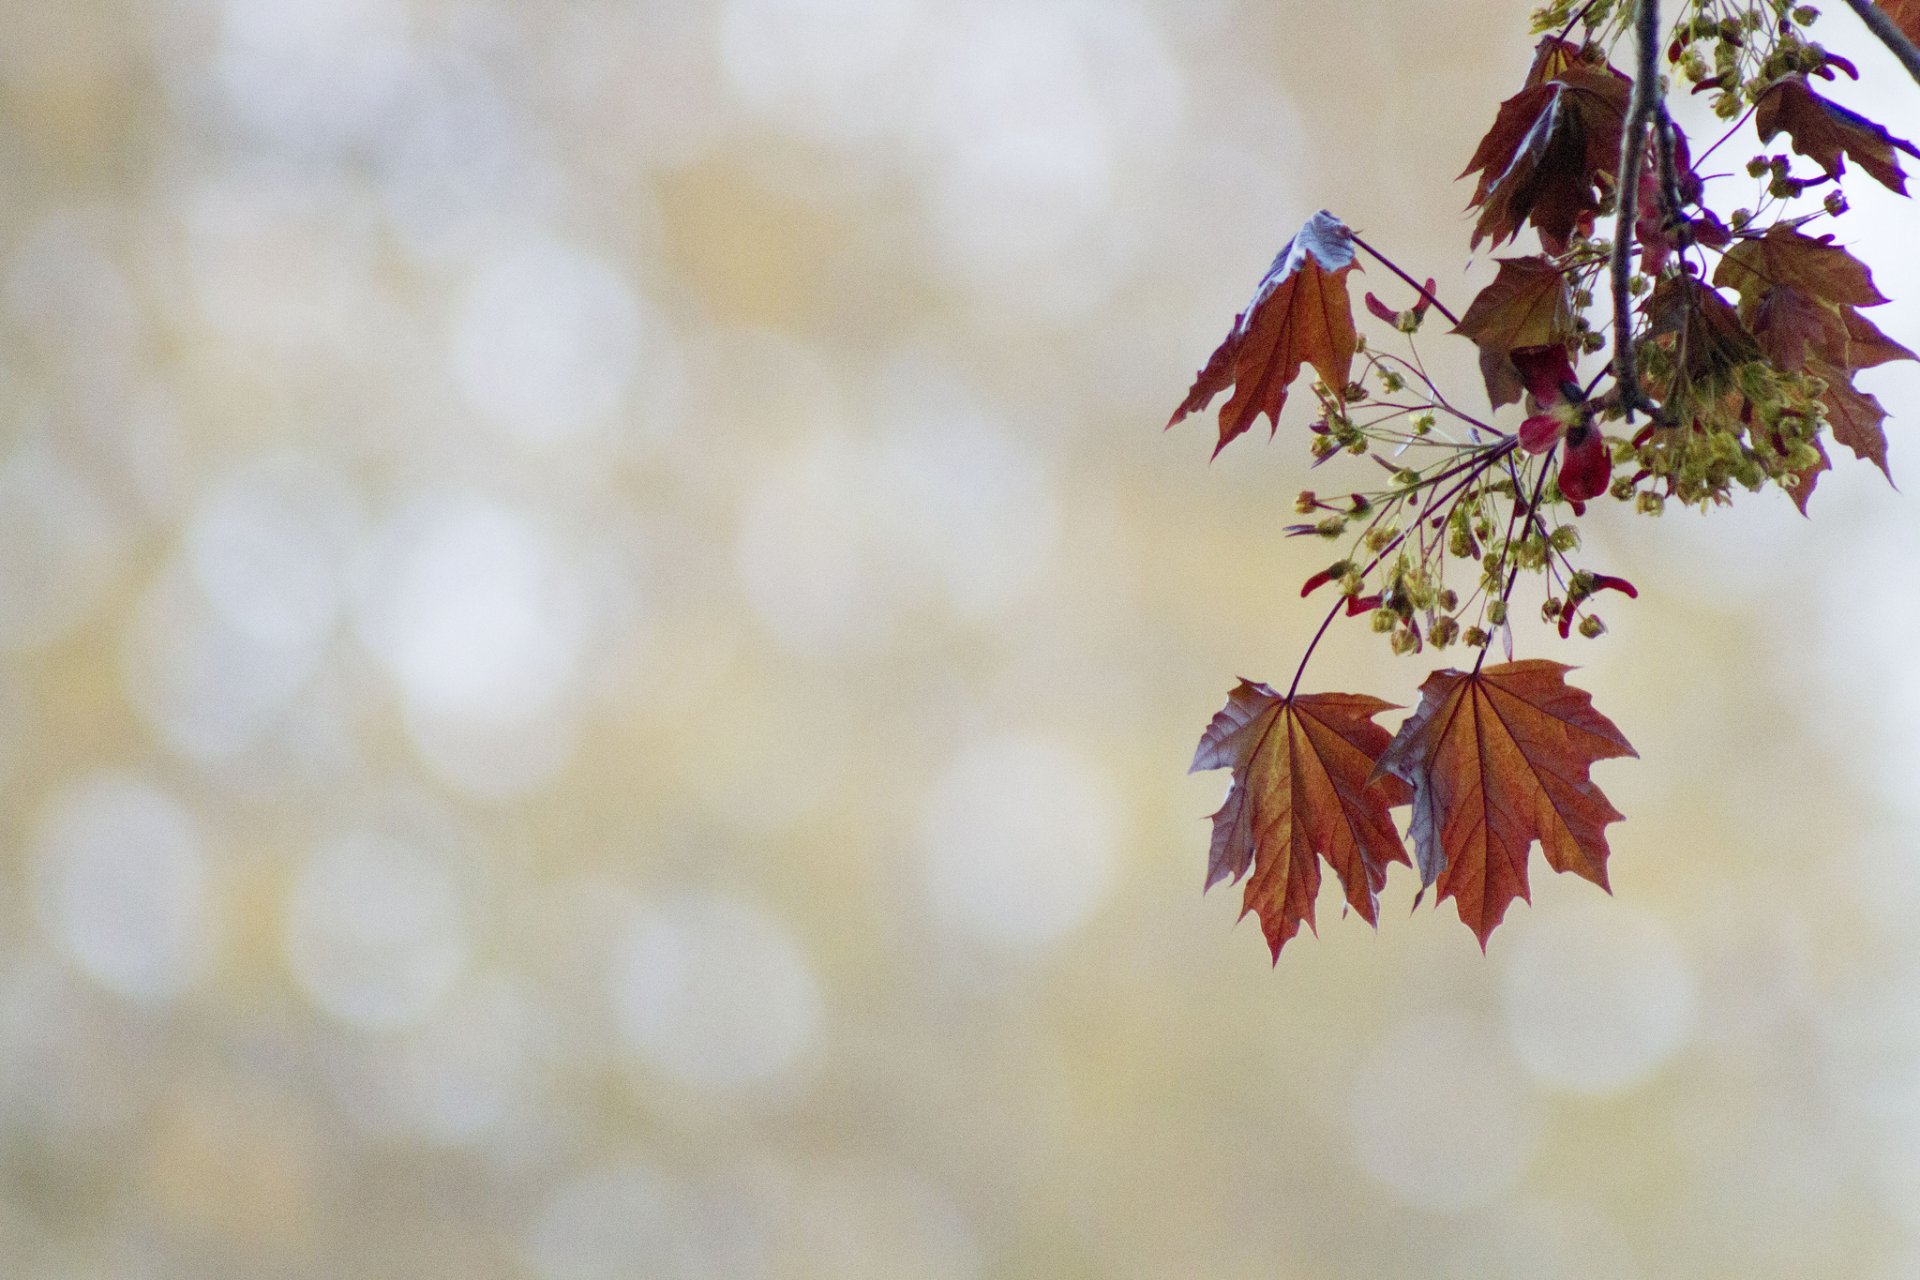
1301	769
1299	315
1498	759
1818	267
1825	132
1854	417
1801	296
1806	480
1550	148
1526	306
1905	14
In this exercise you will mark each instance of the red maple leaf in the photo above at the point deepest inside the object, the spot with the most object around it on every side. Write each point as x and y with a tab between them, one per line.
1300	794
1825	132
1299	315
1498	759
1551	147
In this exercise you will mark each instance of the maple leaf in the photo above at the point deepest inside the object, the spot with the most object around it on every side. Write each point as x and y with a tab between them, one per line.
1905	14
1301	769
1550	147
1784	255
1825	132
1806	480
1709	338
1801	295
1527	305
1854	417
1499	759
1300	314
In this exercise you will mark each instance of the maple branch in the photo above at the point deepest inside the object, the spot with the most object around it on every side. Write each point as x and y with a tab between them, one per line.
1647	97
1486	461
1664	155
1418	288
1890	35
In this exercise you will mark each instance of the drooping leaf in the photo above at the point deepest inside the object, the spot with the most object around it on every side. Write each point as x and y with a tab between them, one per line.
1300	314
1854	417
1802	295
1551	147
1708	338
1497	760
1784	255
1527	305
1300	794
1826	132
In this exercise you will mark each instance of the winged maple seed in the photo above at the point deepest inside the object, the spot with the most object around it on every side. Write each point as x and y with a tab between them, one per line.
1498	759
1300	794
1300	314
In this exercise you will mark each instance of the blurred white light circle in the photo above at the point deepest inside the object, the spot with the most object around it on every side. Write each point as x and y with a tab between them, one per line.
474	609
463	1068
713	992
1025	157
124	885
268	547
1442	1116
1018	842
313	70
619	1223
1597	998
544	341
375	933
799	553
209	689
496	758
58	548
828	68
961	499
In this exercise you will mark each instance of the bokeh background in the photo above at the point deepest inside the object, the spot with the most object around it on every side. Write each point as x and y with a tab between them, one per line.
600	642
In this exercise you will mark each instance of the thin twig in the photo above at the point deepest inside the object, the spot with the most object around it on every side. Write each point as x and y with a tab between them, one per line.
1418	288
1890	35
1664	149
1633	155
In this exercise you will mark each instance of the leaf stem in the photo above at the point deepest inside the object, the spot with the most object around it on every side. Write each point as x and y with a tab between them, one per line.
1532	508
1889	33
1417	287
1481	464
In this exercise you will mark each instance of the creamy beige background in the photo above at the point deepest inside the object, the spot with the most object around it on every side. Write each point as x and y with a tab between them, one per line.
600	643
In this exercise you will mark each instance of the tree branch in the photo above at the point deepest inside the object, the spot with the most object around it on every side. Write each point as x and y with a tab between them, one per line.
1633	154
1890	35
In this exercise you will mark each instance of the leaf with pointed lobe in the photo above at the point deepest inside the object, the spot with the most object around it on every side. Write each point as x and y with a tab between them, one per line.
1498	760
1785	255
1551	147
1527	306
1854	417
1300	795
1828	133
1300	314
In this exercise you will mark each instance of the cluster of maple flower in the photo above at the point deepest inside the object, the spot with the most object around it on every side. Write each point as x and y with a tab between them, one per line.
1738	390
